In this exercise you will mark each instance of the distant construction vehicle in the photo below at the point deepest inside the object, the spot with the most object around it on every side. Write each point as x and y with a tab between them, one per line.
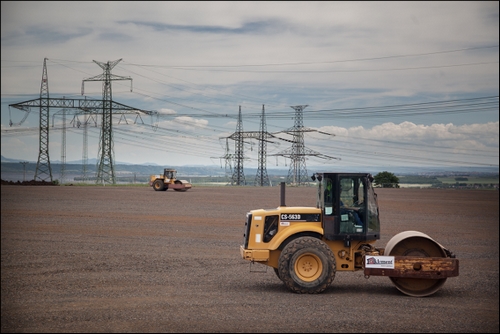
168	181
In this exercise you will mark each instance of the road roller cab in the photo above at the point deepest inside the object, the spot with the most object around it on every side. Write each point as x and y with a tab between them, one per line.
348	206
306	246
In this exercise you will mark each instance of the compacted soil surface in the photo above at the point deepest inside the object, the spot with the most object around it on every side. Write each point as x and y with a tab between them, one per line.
129	259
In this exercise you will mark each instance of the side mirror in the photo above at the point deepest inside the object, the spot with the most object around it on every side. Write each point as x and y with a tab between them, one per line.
314	177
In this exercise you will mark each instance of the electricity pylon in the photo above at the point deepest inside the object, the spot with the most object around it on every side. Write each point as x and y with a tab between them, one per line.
228	158
238	174
105	168
43	169
297	174
262	135
85	156
262	178
63	146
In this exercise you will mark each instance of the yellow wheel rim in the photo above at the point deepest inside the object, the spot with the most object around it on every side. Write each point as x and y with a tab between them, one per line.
308	267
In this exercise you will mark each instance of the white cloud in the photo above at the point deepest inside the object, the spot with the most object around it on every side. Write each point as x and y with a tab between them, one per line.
191	123
167	111
416	143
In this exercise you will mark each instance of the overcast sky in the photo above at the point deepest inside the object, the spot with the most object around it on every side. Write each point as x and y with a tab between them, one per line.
385	83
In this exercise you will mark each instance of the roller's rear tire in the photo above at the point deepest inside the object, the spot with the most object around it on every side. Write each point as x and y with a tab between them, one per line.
158	185
307	265
277	272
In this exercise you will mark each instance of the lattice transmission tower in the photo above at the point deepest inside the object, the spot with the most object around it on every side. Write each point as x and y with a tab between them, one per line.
105	168
238	173
228	158
297	174
43	169
85	156
85	148
262	178
63	146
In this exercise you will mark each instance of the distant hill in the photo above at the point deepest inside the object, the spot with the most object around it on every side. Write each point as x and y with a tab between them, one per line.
4	159
78	162
13	165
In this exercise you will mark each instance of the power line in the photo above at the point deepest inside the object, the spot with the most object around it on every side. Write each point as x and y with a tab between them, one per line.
321	62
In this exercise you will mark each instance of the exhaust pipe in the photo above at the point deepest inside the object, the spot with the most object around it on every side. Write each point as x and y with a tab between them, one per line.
282	193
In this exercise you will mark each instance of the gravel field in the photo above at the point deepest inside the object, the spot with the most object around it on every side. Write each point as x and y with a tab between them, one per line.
129	259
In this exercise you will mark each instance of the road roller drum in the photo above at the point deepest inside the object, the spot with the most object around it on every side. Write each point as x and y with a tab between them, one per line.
418	244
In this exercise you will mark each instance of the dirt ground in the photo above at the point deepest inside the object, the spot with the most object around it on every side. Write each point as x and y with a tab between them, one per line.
129	259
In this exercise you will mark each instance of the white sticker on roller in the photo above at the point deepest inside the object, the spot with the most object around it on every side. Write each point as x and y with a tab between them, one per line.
386	262
258	218
257	238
